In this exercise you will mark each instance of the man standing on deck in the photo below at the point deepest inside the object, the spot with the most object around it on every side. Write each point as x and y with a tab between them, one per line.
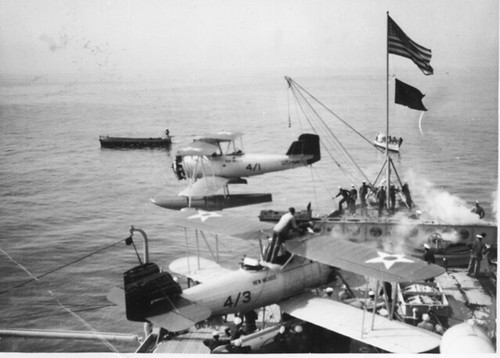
280	233
381	197
476	255
406	192
353	195
478	210
392	197
429	258
363	192
345	197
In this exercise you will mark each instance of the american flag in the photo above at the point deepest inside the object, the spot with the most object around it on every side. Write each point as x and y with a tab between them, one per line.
400	44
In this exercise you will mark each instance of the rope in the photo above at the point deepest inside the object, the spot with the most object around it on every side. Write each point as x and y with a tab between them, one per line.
35	278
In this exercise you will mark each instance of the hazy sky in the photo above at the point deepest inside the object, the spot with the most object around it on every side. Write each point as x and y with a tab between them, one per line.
43	37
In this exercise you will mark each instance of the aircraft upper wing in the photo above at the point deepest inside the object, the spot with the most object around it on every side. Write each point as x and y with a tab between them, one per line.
362	259
205	186
219	222
389	335
198	149
219	137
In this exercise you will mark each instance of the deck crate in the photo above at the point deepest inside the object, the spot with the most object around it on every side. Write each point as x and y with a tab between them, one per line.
423	296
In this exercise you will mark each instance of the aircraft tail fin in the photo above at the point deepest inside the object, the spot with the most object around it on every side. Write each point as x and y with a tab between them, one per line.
149	292
307	144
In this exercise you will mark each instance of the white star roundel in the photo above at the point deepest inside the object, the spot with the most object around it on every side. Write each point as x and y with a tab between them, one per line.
204	215
389	259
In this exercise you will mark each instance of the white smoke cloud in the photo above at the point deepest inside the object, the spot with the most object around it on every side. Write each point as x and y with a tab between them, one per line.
441	206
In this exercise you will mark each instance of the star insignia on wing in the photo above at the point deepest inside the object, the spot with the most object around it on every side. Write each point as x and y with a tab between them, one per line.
204	215
389	259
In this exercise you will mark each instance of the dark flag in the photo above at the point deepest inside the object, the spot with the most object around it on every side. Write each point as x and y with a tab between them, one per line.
409	96
400	44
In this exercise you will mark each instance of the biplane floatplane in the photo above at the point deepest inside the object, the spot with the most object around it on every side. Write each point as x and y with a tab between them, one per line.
307	261
210	163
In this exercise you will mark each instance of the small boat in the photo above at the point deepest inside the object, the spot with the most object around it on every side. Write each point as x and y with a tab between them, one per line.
127	142
394	143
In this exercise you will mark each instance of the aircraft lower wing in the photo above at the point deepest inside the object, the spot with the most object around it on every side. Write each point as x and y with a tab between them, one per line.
389	335
205	186
185	315
363	259
197	268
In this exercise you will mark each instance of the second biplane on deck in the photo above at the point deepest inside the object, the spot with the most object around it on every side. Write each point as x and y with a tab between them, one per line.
308	261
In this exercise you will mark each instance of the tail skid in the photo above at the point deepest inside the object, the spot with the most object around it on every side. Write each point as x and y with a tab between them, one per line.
307	144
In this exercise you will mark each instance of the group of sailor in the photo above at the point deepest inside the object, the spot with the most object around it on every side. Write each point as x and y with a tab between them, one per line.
381	138
350	196
234	332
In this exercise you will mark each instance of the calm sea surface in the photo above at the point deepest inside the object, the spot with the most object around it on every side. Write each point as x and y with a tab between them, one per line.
63	197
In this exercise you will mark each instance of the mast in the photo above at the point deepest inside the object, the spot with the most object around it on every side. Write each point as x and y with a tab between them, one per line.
388	178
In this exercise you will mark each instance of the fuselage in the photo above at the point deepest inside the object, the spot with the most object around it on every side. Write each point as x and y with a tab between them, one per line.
247	289
237	166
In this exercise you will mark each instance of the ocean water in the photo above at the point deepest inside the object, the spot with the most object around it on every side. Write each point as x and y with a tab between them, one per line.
63	197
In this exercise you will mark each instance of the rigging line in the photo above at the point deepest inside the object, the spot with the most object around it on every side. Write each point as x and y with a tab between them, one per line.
86	324
346	153
51	313
342	148
329	110
35	278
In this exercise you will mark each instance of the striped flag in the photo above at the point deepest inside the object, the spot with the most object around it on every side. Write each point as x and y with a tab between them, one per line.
409	96
400	44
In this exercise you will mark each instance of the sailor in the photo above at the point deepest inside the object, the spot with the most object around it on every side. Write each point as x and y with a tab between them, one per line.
345	197
280	341
428	254
345	294
235	331
478	210
476	255
426	323
429	258
406	192
280	233
237	347
392	196
214	342
329	291
353	196
381	197
363	191
251	321
297	341
400	141
167	133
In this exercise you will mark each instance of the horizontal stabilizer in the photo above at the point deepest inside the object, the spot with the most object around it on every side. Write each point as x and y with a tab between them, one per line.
198	269
117	296
389	335
185	315
212	202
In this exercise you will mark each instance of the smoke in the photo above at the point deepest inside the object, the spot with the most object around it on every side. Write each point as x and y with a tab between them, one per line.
55	45
439	205
494	204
